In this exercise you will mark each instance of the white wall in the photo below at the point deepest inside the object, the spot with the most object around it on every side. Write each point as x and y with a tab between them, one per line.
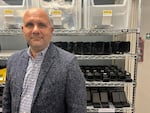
143	80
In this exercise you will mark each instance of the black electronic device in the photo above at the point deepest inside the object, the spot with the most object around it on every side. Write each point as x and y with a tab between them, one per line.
104	99
128	77
96	100
113	76
71	47
107	48
116	99
89	75
124	47
97	48
89	97
106	77
115	47
78	48
97	75
123	99
86	48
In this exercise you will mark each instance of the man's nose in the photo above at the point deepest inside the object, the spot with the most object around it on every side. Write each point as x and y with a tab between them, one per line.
36	29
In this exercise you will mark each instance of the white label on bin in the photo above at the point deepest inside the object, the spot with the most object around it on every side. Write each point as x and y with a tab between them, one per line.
57	15
107	12
106	110
107	17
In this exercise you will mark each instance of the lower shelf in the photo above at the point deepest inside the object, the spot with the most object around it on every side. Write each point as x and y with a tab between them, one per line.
111	109
104	110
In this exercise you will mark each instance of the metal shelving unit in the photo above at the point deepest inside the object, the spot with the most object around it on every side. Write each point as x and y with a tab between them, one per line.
4	55
131	56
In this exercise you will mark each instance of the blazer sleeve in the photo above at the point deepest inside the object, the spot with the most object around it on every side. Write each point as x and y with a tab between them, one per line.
75	89
6	100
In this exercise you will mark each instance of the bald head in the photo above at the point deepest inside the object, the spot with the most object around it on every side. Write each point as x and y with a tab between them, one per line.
36	12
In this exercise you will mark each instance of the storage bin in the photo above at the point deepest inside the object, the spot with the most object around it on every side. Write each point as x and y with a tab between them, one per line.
101	14
2	75
11	12
65	14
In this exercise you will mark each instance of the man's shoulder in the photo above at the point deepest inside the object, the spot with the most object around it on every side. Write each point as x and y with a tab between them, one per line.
65	54
16	55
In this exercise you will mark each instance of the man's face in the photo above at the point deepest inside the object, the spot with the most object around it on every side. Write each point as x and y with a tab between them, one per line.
37	29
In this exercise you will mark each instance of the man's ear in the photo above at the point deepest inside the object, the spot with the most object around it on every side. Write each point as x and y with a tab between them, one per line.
52	30
22	27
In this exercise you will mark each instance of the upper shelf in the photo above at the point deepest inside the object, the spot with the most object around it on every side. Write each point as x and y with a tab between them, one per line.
65	32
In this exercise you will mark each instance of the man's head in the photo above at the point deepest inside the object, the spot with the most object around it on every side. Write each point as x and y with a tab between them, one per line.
37	28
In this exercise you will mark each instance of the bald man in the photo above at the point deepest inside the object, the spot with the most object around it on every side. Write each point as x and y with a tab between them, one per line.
43	78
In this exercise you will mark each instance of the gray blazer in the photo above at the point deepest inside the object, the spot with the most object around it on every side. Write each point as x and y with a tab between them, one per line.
60	86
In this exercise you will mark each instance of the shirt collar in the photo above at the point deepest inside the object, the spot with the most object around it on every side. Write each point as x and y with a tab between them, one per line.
41	53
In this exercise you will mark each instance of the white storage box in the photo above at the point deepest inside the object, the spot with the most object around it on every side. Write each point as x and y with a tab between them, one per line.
11	12
101	14
65	14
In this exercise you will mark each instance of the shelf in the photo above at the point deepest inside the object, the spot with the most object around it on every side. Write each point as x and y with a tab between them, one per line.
101	84
112	109
105	110
4	54
10	31
101	110
107	84
65	32
2	85
97	57
94	31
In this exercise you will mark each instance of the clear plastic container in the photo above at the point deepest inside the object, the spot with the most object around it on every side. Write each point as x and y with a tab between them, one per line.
65	14
103	14
11	12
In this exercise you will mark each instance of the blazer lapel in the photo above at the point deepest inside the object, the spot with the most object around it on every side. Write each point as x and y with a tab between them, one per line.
22	66
46	65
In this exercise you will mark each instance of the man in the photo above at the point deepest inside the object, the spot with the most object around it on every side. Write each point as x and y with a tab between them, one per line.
43	78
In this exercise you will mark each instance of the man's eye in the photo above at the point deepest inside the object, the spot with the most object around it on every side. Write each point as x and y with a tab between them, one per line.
42	25
29	25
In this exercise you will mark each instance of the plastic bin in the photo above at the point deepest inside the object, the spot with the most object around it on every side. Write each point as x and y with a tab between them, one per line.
2	75
11	12
65	14
103	14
